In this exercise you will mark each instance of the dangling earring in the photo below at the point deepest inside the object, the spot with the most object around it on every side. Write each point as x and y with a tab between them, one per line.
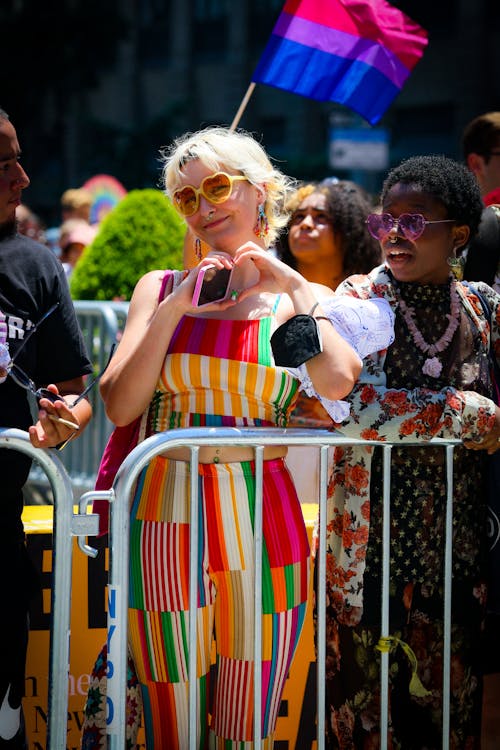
262	226
197	248
456	265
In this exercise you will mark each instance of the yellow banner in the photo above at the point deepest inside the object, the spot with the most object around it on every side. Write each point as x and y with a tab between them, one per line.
296	724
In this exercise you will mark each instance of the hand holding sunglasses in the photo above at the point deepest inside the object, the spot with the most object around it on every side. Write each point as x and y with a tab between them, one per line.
9	367
23	380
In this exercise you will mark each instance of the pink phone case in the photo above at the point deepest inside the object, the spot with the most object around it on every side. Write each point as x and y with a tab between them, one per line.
201	288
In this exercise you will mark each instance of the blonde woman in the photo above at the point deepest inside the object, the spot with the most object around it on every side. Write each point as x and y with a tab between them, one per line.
214	365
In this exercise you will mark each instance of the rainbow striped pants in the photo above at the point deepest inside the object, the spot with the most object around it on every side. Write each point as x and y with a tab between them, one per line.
159	599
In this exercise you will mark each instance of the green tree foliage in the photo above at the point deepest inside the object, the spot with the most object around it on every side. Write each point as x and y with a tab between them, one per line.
141	233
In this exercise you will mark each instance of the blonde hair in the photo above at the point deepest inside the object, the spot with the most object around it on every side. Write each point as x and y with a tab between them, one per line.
219	147
303	192
75	198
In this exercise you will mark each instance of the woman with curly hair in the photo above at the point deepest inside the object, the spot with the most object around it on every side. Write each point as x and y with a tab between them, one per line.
433	381
327	240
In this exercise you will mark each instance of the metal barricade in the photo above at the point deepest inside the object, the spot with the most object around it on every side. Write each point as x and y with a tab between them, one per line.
101	324
257	438
65	525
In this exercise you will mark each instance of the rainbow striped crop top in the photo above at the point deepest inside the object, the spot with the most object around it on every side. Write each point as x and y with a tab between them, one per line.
221	373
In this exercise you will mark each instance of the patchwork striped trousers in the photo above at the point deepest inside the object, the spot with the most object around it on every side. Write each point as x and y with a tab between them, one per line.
159	599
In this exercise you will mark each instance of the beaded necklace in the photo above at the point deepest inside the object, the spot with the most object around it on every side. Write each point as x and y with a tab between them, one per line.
432	365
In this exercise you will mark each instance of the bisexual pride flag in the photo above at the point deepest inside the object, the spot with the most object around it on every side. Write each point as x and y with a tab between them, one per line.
355	52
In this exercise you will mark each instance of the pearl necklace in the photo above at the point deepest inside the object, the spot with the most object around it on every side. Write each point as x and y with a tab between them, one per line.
432	365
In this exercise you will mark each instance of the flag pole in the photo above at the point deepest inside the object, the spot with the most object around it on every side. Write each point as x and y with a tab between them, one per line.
242	106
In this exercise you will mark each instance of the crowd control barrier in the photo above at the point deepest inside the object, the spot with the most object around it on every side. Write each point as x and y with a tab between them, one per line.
257	438
66	525
101	324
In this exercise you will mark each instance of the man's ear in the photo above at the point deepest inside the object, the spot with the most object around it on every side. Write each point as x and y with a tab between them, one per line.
475	163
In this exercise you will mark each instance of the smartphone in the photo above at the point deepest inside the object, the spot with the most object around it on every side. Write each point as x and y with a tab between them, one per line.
212	285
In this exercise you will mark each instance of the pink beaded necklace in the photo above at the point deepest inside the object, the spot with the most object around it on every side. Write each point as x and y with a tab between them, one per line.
432	365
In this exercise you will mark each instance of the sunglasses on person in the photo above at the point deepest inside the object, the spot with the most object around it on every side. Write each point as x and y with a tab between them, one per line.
411	226
216	188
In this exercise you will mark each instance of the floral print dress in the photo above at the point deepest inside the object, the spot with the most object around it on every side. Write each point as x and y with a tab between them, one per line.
395	401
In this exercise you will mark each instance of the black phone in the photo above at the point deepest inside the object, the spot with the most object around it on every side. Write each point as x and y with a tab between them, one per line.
212	285
45	393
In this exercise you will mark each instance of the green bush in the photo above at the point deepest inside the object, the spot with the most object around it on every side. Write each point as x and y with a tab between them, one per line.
141	233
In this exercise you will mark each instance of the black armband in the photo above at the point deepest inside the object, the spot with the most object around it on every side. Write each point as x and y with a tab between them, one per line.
296	341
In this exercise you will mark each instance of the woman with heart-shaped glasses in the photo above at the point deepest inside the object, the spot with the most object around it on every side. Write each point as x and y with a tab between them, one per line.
235	361
433	381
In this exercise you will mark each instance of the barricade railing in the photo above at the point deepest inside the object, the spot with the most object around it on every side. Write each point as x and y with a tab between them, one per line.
101	324
256	438
66	525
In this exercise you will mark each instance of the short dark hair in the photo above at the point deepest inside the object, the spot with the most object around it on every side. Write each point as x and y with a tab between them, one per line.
482	135
450	182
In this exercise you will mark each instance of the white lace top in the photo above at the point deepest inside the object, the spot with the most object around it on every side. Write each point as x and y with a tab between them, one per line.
367	325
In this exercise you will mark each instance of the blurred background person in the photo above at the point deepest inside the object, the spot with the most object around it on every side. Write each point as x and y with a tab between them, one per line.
481	150
76	204
326	241
52	235
29	224
75	235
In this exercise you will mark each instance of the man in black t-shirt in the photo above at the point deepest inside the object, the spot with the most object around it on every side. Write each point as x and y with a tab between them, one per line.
32	281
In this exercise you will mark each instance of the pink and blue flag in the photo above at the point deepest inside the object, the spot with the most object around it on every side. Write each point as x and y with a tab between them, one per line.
358	53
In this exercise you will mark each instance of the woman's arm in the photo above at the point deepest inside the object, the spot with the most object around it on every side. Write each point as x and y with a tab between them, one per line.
129	382
334	371
402	415
367	325
130	378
